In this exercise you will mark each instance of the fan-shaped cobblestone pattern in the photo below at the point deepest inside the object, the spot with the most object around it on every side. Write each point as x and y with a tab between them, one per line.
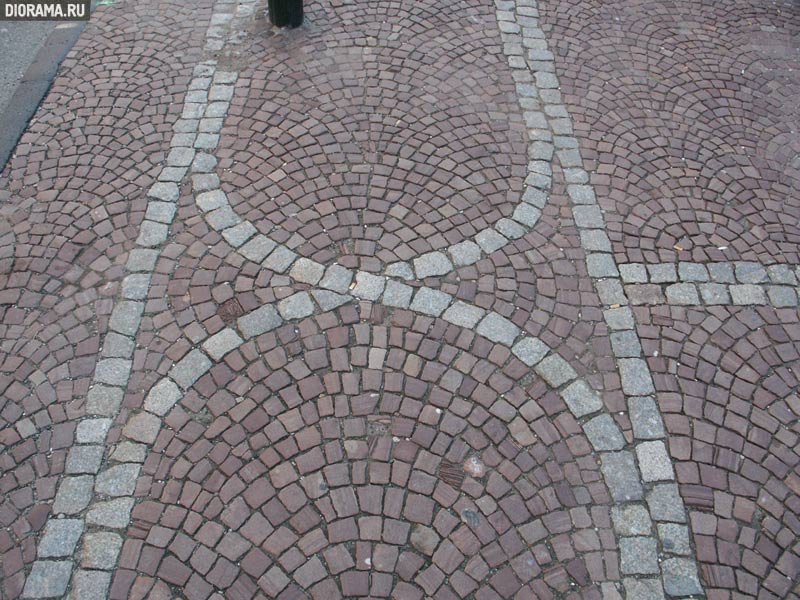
687	115
71	200
327	478
372	147
727	386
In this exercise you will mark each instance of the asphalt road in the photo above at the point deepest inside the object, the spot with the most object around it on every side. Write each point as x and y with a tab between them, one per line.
19	43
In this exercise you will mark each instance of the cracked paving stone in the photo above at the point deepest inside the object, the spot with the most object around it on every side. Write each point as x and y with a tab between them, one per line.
368	286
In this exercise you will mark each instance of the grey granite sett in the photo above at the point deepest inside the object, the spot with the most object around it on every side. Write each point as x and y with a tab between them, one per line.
781	274
782	296
142	427
638	556
721	272
603	433
100	550
185	125
465	253
204	163
619	318
183	140
136	286
666	504
296	306
239	234
571	157
166	191
490	240
60	538
631	519
337	278
90	585
114	514
211	200
526	214
463	315
152	234
645	418
588	217
750	272
662	273
654	461
683	294
112	371
368	286
610	292
259	321
306	271
625	344
714	293
218	345
402	270
510	229
48	579
535	196
211	125
674	538
680	577
328	300
118	481
190	368
280	259
222	218
92	431
643	589
576	176
193	110
173	174
217	110
596	240
498	329
74	494
621	476
601	265
555	370
103	400
537	180
535	119
220	92
432	264
126	317
116	345
692	272
581	399
127	451
141	260
635	375
747	294
84	459
633	273
430	302
530	350
206	141
180	157
204	182
162	397
258	248
546	80
397	294
581	194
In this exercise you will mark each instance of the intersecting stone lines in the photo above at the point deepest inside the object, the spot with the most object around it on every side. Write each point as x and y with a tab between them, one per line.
94	495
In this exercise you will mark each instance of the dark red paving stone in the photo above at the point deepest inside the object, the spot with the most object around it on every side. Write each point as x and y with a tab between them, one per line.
687	118
727	386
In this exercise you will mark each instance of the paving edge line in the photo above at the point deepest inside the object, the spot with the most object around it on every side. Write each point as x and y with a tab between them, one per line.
103	499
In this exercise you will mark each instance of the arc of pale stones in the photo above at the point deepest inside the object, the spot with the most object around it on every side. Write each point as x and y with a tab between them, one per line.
197	134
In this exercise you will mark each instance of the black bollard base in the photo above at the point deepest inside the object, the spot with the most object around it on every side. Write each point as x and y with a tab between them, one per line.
285	12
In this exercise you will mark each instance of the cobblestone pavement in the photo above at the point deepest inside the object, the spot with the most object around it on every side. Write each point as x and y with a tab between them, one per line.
451	300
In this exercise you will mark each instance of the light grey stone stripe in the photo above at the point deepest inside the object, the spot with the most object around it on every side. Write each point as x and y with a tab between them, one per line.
691	284
640	476
95	493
